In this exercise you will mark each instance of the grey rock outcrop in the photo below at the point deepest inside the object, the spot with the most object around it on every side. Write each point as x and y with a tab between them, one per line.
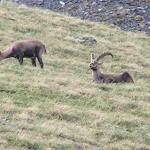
82	39
129	15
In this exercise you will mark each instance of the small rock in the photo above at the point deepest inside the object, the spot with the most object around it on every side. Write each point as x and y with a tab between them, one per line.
93	3
139	18
80	39
62	3
38	2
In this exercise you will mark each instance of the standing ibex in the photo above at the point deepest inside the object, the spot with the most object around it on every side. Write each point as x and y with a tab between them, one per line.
107	78
28	48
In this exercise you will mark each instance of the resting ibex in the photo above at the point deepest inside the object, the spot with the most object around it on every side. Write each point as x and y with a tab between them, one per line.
28	48
107	78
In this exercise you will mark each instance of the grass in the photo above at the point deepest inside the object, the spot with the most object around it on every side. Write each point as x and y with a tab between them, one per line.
60	108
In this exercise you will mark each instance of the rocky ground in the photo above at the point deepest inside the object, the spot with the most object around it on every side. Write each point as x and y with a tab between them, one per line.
129	15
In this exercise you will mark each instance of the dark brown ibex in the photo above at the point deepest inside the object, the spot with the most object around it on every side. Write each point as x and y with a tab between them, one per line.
99	77
28	48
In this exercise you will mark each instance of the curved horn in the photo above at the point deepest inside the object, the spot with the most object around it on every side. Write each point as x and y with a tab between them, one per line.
92	57
103	55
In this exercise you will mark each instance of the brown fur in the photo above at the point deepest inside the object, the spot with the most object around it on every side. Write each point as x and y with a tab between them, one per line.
99	77
28	48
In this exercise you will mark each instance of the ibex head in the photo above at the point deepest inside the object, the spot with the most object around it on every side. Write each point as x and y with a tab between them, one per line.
95	64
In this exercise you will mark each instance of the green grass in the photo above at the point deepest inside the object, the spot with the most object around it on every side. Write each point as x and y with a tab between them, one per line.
60	108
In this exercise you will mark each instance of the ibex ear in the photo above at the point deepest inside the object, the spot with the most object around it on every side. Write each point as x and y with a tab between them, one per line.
92	57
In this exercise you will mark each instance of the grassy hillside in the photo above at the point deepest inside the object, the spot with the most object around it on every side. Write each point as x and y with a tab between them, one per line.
60	108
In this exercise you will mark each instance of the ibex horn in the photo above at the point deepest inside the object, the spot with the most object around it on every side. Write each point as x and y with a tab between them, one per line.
92	57
103	55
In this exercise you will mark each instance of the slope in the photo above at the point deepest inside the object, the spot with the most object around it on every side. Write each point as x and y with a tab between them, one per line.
60	108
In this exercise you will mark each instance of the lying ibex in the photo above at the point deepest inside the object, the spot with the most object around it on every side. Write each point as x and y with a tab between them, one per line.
28	48
107	78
